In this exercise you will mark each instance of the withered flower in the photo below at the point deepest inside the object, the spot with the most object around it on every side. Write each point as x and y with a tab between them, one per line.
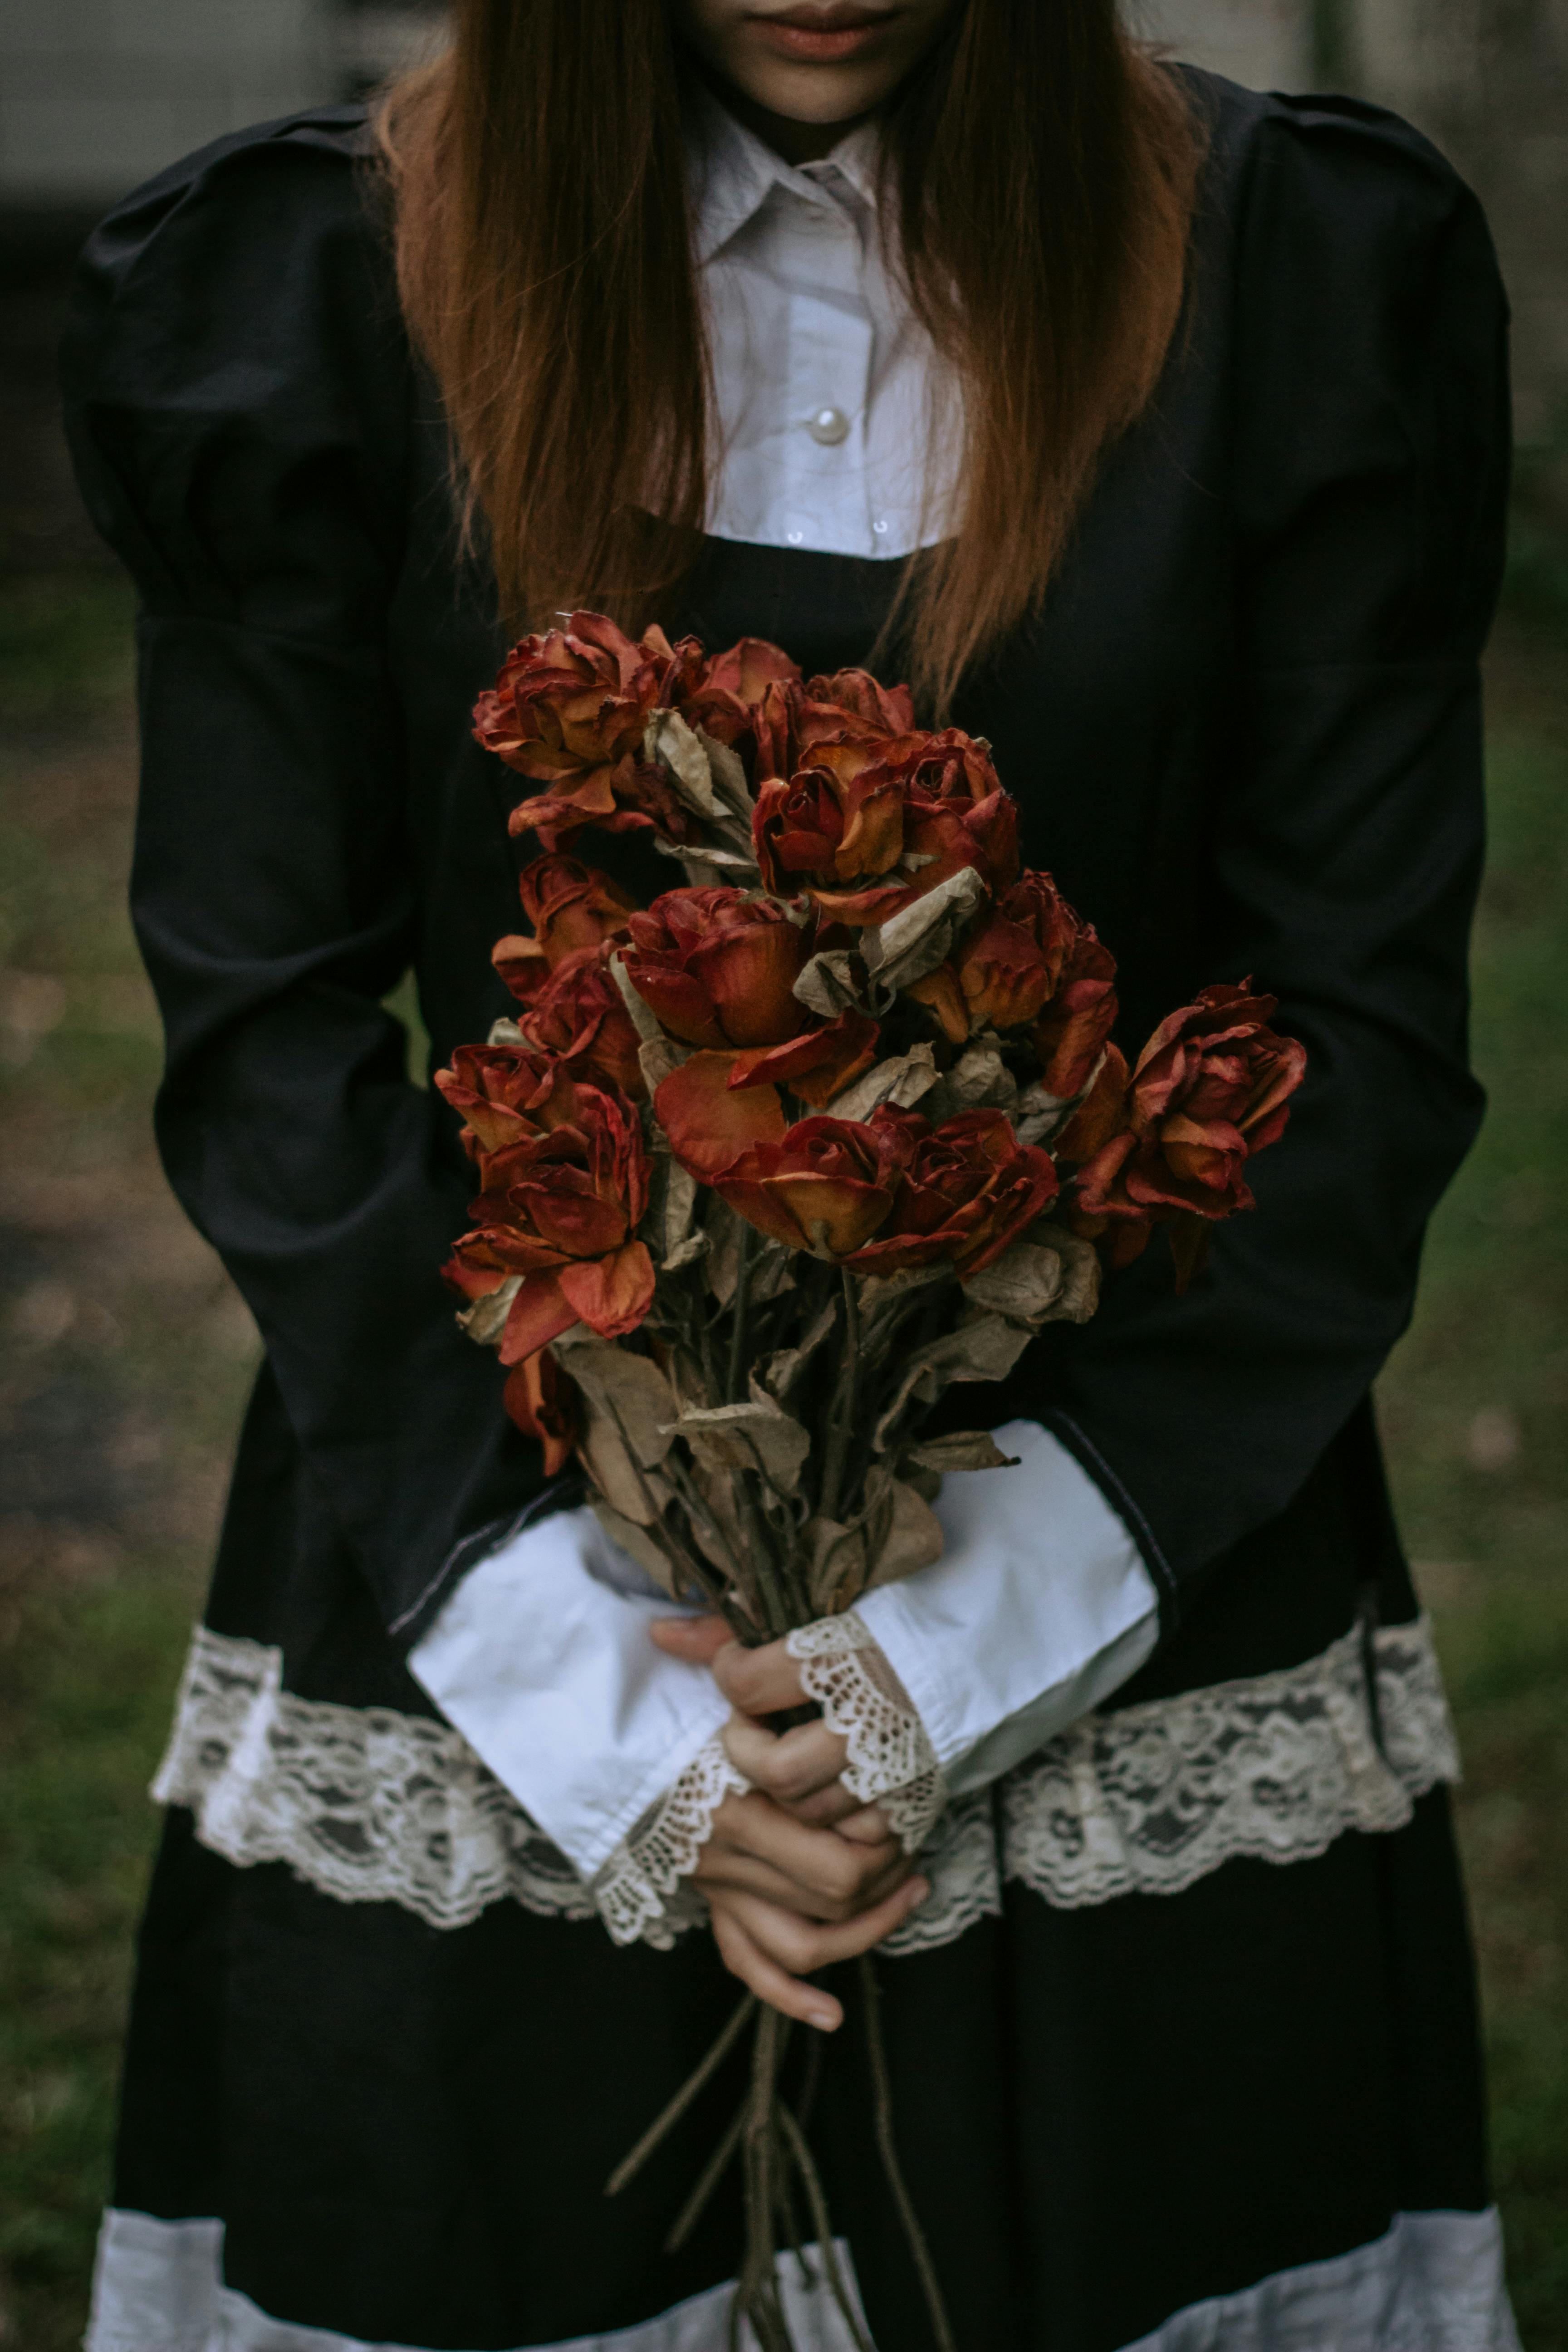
569	711
823	1185
580	1016
1170	1143
542	1401
970	1190
562	1196
719	969
571	906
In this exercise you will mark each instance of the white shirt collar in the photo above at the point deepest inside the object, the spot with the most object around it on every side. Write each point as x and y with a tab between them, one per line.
735	173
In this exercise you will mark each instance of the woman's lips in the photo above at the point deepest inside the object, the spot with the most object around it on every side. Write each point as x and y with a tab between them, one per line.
821	36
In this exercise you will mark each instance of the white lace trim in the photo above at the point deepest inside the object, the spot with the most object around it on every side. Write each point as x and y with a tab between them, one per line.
892	1762
372	1806
1148	1799
641	1892
362	1803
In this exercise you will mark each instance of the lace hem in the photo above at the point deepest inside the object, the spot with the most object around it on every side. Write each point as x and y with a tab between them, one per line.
372	1806
641	1893
362	1803
892	1762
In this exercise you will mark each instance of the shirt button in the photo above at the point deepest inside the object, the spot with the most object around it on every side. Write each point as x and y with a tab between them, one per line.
829	425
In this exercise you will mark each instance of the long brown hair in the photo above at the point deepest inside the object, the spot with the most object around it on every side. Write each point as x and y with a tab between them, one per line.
1042	171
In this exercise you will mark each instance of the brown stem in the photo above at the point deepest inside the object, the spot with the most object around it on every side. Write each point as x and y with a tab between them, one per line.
695	2082
842	1411
734	1391
714	2172
936	2308
823	2224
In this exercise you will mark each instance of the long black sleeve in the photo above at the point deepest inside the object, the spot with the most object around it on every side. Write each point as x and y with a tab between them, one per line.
239	392
1369	439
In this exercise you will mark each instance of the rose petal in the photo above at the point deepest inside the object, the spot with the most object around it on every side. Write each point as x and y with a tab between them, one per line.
613	1294
709	1123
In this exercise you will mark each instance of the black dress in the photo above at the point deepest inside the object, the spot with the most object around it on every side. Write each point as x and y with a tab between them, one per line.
1202	2016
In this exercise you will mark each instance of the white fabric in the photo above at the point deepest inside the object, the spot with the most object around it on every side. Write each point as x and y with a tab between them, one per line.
371	1806
157	2287
1039	1608
804	315
547	1672
543	1661
1434	2282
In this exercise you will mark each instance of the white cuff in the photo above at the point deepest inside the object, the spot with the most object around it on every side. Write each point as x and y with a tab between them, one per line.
1039	1608
547	1670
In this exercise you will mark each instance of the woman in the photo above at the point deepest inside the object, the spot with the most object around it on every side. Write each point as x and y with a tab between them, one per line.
1158	431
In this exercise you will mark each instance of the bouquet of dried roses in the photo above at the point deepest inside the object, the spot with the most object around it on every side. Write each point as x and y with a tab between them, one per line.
768	1166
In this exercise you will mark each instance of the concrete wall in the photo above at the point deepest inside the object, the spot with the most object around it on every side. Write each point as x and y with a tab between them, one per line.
1264	44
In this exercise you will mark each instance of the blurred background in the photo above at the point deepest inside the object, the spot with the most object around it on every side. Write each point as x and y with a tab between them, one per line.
124	1354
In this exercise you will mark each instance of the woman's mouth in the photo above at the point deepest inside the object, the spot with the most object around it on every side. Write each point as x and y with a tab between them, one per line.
821	36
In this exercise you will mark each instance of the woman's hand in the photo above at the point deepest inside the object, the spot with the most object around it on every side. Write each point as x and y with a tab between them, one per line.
798	1873
799	1769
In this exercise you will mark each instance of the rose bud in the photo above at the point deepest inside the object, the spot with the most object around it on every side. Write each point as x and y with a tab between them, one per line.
542	1401
719	968
825	1185
580	1016
506	1095
722	696
561	1209
970	1190
1210	1089
569	709
571	906
889	709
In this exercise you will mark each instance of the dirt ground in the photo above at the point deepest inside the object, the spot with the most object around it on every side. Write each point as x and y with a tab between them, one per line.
124	1356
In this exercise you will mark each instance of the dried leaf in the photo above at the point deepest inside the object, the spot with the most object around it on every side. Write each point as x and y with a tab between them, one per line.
836	1576
978	1080
905	1534
627	1403
984	1346
680	753
670	1574
780	1374
504	1033
1040	1112
831	983
771	1266
901	1080
756	1436
961	1449
1050	1277
908	945
728	771
485	1320
686	1252
644	1020
657	1057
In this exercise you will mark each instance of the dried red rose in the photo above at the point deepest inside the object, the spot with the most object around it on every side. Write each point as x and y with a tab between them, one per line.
561	1204
719	969
722	694
569	709
580	1016
823	1185
571	906
505	1095
542	1401
1171	1143
969	1189
869	822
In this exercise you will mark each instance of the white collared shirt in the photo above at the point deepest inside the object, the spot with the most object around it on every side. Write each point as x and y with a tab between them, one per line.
838	424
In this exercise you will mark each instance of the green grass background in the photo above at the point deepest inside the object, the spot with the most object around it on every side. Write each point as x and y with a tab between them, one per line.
124	1356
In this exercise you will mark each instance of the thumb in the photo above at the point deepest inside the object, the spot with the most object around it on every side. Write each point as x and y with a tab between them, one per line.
697	1639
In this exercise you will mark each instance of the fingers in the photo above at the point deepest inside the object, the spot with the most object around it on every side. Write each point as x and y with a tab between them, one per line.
788	1768
756	1846
758	1682
698	1639
770	1948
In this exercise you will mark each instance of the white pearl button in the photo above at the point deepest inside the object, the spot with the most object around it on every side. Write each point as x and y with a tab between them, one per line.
829	425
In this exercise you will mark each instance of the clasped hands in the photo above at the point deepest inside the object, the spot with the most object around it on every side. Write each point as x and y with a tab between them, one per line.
797	1873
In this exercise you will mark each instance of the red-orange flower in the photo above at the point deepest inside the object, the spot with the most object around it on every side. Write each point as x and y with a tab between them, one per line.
823	1185
719	969
571	907
722	694
562	1200
1171	1143
569	709
1030	960
542	1401
869	822
580	1016
969	1191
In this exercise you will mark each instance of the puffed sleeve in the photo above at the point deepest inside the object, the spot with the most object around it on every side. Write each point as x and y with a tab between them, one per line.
1370	440
238	396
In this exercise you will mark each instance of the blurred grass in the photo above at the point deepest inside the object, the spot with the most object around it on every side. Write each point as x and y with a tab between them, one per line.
124	1359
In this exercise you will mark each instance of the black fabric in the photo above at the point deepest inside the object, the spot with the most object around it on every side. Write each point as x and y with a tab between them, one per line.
1244	733
1103	2115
